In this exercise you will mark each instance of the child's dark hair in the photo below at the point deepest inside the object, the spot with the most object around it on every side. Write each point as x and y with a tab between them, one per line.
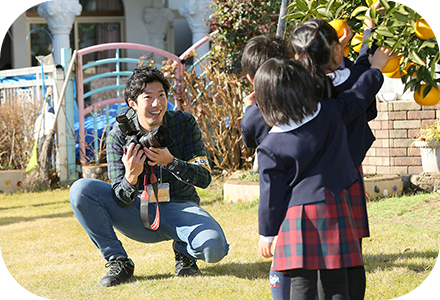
261	48
137	82
285	91
312	43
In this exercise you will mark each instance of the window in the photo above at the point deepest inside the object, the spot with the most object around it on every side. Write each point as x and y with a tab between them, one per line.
101	21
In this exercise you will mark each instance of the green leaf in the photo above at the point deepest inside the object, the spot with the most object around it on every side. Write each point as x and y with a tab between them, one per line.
400	17
295	16
412	82
373	14
385	4
415	58
302	5
358	10
432	67
436	58
426	90
429	43
384	33
427	76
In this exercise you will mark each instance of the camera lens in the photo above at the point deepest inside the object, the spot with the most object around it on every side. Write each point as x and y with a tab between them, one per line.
158	138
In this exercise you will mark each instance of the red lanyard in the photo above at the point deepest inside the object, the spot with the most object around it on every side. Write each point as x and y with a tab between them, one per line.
145	201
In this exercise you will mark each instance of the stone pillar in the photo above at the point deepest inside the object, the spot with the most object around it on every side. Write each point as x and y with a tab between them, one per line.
20	53
60	15
157	19
196	12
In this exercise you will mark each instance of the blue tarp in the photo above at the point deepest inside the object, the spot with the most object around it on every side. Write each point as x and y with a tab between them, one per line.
19	78
31	77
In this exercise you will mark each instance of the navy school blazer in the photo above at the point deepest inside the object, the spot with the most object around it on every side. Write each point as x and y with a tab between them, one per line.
360	137
359	134
297	166
253	127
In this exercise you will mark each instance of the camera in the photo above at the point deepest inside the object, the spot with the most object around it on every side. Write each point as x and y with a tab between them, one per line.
160	137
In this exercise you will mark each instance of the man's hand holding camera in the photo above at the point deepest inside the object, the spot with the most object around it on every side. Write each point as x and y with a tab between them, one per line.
135	156
158	156
133	159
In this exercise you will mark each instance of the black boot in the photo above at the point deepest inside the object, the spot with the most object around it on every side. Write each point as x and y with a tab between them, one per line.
121	269
185	266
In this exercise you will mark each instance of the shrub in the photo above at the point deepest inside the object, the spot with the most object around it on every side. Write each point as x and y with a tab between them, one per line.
216	103
17	134
238	21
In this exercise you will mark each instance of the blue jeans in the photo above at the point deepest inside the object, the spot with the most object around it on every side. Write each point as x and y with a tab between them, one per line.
196	233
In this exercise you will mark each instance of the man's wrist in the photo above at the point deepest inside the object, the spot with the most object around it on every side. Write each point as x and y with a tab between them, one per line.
131	179
173	164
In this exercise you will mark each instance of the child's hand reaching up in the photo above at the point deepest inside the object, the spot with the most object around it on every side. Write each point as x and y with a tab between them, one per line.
380	58
346	37
370	24
250	100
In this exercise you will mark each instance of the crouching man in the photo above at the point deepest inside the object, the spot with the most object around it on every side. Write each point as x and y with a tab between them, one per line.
100	207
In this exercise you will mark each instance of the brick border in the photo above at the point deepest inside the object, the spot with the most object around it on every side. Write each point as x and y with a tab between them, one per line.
395	127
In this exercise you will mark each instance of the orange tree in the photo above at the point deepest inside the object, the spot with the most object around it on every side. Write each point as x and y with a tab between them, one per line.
238	21
397	26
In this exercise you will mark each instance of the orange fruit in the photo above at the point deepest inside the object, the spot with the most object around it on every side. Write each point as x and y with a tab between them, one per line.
432	98
422	30
356	42
339	26
392	65
346	50
396	74
399	73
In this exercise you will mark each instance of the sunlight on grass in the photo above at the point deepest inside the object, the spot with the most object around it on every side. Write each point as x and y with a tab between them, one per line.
48	253
403	246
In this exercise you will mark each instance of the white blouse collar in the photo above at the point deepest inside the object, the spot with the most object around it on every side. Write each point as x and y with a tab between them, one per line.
292	125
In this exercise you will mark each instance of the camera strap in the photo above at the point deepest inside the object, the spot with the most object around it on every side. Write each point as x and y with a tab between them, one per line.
145	200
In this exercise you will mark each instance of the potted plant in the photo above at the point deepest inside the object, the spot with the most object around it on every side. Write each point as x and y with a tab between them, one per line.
429	143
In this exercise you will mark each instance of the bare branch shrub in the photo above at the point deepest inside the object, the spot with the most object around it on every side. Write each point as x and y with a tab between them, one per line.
17	119
215	99
99	155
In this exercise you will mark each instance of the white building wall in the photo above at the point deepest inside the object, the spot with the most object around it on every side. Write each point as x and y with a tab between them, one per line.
135	31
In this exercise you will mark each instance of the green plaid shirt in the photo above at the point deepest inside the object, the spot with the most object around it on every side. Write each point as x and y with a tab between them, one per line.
192	167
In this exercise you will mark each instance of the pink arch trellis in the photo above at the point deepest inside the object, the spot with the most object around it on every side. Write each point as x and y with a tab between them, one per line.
179	83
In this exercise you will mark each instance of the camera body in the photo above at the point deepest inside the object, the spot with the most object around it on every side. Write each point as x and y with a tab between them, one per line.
160	137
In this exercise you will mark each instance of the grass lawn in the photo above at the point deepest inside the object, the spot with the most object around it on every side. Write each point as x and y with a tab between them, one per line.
48	253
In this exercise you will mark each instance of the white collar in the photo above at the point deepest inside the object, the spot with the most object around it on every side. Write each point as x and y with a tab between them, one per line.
292	125
338	77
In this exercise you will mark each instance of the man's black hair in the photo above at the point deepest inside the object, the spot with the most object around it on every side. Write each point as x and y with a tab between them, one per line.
137	82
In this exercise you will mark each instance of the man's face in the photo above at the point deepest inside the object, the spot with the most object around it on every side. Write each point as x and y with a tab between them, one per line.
151	106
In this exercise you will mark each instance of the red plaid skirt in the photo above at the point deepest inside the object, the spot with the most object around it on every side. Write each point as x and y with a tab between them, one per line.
318	236
358	203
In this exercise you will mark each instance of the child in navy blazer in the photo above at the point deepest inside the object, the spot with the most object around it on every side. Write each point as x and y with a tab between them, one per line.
315	36
256	52
304	172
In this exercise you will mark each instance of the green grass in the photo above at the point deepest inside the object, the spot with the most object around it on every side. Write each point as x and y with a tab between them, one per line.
48	253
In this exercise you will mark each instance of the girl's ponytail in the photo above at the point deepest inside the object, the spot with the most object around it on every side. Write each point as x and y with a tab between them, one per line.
312	44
